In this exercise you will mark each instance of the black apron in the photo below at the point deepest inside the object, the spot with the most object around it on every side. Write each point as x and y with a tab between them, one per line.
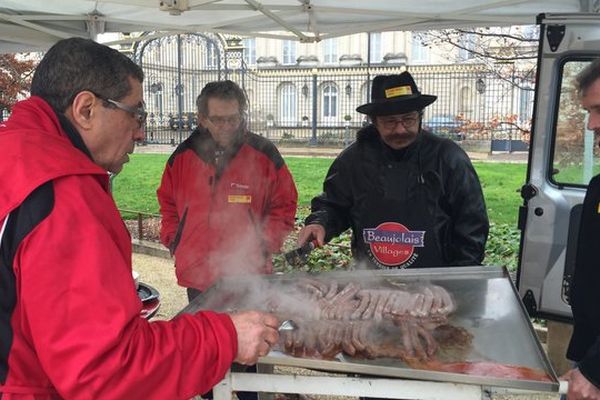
396	227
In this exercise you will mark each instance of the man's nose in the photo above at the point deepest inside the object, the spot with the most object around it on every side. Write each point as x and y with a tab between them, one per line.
140	134
400	128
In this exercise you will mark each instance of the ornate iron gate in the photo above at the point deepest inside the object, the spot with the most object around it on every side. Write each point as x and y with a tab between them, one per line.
177	67
316	105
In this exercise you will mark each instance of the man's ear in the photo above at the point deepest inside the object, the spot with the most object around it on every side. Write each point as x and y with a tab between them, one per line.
82	110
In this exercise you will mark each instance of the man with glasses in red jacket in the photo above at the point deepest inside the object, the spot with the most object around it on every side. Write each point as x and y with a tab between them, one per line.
70	324
227	198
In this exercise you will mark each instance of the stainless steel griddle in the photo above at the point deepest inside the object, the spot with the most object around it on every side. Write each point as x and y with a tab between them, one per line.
488	306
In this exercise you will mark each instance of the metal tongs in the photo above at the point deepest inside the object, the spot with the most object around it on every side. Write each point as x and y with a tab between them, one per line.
287	325
298	256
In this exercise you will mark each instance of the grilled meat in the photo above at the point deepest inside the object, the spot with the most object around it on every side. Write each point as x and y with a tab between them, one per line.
365	322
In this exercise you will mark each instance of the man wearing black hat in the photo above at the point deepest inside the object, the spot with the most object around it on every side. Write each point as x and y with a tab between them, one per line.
411	198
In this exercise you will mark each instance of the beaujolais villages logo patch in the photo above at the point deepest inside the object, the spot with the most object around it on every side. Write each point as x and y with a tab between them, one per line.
392	244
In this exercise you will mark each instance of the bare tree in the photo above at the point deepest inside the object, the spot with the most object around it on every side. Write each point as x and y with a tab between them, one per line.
15	80
507	53
501	49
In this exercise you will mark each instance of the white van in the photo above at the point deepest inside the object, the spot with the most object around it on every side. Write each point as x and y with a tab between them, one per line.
561	163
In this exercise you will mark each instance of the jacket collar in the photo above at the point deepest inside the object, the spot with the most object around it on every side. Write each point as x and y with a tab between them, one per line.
36	114
203	144
73	135
37	149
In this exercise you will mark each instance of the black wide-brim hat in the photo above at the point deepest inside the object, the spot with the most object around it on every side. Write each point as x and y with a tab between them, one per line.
395	94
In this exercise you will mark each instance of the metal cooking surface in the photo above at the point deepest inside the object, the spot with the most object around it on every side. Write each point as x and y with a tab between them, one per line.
487	306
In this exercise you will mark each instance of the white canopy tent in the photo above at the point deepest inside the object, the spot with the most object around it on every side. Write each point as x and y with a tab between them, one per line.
36	24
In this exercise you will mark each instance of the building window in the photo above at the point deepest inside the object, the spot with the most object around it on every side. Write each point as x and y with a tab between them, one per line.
375	55
288	100
156	91
250	51
330	101
365	92
526	104
465	100
289	52
212	55
467	45
330	51
158	102
419	53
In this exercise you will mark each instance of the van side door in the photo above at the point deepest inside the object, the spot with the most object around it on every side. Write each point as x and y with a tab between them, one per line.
562	161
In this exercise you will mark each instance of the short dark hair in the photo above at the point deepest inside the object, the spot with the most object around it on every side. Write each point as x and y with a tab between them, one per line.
224	90
75	64
587	77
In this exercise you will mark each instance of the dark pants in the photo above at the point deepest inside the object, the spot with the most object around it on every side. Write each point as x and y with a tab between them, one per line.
192	294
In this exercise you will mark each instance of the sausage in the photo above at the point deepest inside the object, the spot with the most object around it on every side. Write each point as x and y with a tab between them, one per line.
368	314
332	290
365	298
357	340
427	301
347	345
430	343
383	300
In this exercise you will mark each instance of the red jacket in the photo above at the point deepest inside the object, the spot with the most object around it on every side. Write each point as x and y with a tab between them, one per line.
228	216
70	324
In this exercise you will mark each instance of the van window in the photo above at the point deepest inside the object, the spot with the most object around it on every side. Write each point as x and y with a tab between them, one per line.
574	147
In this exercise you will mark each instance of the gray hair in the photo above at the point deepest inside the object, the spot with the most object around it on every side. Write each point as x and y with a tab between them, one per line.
224	90
75	64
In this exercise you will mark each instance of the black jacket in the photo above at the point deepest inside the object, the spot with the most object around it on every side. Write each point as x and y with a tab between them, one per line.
370	183
585	295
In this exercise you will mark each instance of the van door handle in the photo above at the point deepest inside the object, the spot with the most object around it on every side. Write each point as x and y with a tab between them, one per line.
528	191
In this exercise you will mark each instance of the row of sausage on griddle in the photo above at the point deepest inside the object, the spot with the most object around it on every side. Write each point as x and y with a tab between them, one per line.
333	301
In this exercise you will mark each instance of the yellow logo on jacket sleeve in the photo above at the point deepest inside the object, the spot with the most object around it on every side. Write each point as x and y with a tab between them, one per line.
239	198
598	208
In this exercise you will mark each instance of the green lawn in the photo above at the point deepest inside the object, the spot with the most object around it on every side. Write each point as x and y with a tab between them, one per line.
135	187
501	183
308	175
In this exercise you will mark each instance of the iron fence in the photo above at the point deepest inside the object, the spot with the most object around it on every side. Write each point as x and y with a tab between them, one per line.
316	105
142	225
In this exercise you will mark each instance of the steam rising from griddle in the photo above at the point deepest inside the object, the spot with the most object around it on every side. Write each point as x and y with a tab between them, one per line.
375	319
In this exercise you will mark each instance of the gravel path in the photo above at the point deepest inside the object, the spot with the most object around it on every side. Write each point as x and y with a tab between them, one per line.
159	273
318	151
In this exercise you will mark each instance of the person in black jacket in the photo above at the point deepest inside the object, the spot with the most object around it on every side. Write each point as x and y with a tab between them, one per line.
584	348
411	198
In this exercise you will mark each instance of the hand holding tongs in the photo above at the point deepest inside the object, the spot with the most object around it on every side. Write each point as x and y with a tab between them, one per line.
299	256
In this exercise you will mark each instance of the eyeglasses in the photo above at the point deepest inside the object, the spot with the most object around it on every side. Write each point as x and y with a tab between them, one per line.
139	113
408	121
233	120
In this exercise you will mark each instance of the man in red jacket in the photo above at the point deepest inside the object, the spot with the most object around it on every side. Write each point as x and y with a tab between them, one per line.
70	324
227	199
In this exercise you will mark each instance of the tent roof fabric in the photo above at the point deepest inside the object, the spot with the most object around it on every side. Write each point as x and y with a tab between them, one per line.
37	24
